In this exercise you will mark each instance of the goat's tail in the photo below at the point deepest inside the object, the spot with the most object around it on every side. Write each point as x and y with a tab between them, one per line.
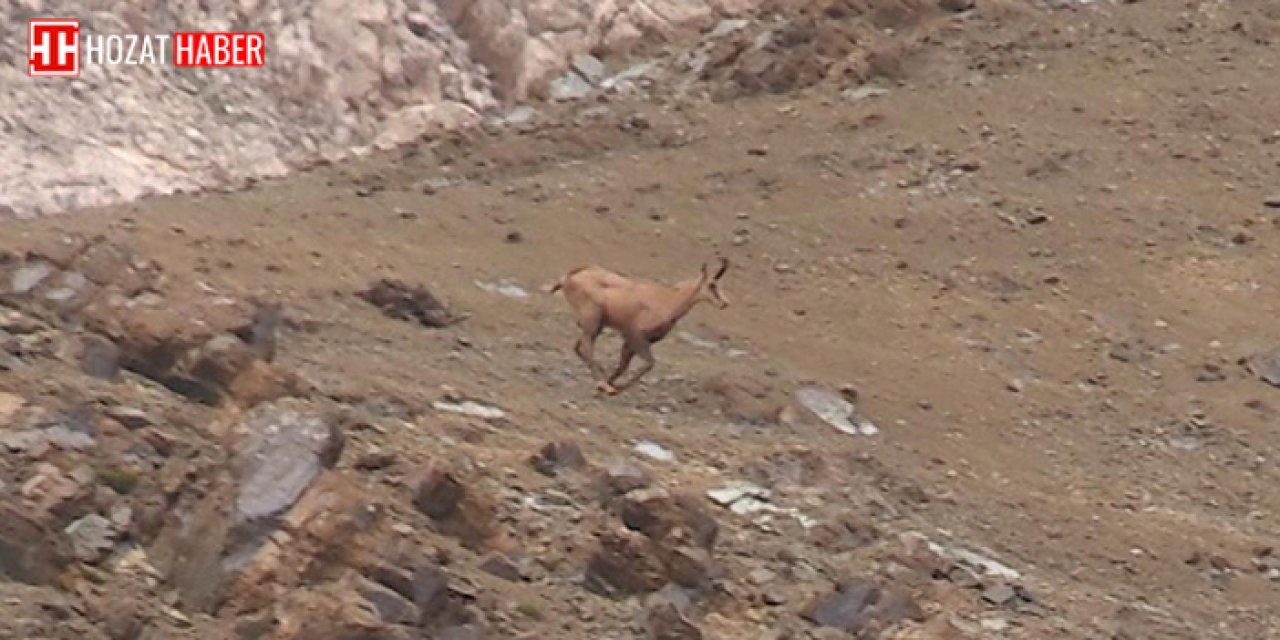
559	284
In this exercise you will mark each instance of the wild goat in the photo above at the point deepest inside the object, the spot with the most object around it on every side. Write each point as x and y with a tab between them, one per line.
642	313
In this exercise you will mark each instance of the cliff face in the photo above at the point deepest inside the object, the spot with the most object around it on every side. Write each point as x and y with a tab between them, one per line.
341	76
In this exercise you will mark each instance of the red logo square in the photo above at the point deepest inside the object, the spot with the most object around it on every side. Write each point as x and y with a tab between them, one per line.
53	47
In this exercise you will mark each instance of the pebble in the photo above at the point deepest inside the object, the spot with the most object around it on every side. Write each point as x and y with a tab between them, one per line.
1272	201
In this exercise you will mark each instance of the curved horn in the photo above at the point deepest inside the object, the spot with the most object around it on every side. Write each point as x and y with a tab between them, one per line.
724	266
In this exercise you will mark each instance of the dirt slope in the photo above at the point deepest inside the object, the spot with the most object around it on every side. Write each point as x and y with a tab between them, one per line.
1039	258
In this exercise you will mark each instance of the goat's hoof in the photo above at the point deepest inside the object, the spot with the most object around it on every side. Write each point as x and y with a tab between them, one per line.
607	389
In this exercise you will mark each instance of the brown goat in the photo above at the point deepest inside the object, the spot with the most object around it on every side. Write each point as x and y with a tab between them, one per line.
642	313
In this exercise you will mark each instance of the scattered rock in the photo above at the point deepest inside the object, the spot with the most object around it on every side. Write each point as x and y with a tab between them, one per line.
334	610
1272	202
458	508
287	444
432	186
624	563
665	617
653	450
392	607
27	278
554	456
984	565
956	5
658	513
858	94
1210	372
835	411
1265	366
49	490
29	552
498	564
999	594
469	408
569	86
589	67
523	114
622	477
858	605
91	537
505	288
100	358
130	417
261	333
400	301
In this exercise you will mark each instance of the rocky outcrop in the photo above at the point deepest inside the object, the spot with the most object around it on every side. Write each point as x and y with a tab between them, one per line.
341	77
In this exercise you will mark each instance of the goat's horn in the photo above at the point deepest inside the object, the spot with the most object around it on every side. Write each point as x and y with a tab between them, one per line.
724	266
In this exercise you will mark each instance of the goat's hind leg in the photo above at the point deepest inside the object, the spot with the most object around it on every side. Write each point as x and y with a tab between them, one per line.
586	345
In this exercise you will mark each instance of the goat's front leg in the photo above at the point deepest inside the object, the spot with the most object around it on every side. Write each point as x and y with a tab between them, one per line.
624	361
639	347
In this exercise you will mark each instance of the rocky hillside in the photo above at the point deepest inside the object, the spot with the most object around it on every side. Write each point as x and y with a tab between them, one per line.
999	361
341	77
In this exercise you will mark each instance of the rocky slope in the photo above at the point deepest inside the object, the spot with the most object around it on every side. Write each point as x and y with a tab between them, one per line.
341	77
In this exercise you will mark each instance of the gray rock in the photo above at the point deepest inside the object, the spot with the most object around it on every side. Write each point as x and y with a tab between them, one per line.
130	417
68	439
33	443
500	565
100	358
71	285
287	445
554	456
858	94
631	75
392	607
835	411
666	619
589	67
651	449
432	186
569	86
27	278
522	114
726	27
91	537
623	476
1266	366
848	607
999	594
858	604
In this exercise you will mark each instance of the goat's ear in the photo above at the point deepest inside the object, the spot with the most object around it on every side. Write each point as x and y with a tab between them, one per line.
724	266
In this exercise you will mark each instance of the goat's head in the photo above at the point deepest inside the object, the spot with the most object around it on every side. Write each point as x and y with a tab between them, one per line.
710	285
